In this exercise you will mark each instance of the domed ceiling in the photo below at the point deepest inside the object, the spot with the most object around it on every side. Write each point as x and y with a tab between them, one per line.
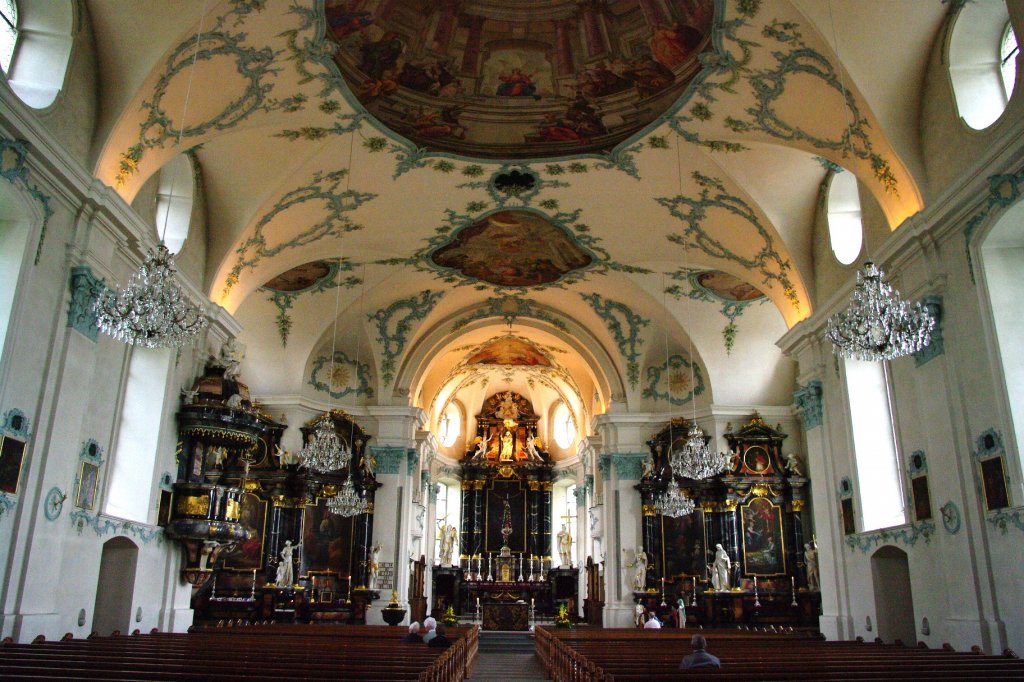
530	80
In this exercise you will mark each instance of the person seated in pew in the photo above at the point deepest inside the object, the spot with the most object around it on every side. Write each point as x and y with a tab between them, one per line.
439	639
430	627
699	658
414	633
652	623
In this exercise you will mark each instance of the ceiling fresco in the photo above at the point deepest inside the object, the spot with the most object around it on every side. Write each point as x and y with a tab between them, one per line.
535	80
509	350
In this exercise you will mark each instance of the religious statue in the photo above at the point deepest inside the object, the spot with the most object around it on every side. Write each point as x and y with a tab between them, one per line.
720	570
507	409
285	570
448	535
372	566
647	468
531	448
793	464
216	456
681	612
565	548
506	447
231	355
285	457
811	563
639	566
481	447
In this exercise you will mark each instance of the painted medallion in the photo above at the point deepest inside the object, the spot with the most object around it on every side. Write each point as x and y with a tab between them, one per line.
512	249
728	287
300	277
531	79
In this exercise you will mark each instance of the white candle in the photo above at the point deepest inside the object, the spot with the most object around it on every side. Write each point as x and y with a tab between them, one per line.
478	602
531	602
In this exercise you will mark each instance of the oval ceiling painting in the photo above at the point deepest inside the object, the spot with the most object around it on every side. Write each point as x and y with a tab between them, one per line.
301	277
529	79
509	350
728	287
512	249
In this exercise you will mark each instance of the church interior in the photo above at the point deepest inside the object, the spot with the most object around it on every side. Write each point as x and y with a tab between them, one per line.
354	312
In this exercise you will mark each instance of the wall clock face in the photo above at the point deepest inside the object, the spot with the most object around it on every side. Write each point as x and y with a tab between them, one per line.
53	503
756	459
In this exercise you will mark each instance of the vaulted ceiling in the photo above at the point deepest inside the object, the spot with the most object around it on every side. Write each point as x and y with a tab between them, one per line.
619	180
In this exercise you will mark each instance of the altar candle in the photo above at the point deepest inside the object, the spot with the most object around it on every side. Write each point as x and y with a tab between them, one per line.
531	602
478	602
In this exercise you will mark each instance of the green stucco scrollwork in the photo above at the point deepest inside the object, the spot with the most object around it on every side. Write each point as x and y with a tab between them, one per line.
624	326
340	374
393	328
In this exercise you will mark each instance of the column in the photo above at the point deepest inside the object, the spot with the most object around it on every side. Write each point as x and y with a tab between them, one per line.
563	49
445	27
471	52
593	33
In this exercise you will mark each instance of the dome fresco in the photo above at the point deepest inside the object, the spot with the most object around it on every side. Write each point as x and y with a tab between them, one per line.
538	80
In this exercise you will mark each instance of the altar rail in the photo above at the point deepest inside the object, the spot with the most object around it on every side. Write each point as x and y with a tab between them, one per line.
257	652
585	655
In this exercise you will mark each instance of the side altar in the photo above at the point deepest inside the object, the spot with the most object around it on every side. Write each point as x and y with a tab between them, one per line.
506	518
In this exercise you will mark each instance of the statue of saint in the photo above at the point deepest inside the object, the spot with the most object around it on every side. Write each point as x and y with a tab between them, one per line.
565	547
448	535
506	447
681	612
811	563
531	448
372	565
285	570
639	566
231	355
720	570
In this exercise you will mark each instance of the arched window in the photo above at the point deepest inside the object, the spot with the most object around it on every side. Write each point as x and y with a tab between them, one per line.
134	462
882	502
845	229
174	196
8	32
977	49
563	426
449	427
1008	51
37	44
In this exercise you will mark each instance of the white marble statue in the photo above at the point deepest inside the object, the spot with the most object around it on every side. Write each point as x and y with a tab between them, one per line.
565	548
231	355
372	566
285	570
793	465
639	566
720	570
681	612
811	563
481	447
448	534
531	448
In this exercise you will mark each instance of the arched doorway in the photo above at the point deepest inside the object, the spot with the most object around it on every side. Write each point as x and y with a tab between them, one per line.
894	603
115	587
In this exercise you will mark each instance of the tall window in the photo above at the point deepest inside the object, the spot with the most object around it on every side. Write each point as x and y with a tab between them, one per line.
879	483
8	32
174	202
981	50
845	230
563	426
449	426
134	462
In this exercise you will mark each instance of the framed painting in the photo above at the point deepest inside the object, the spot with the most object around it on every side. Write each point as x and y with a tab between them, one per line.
849	526
163	516
327	540
12	451
922	498
88	477
995	483
249	554
683	545
756	460
763	545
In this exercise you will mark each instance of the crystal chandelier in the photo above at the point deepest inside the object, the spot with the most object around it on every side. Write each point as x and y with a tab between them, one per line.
152	311
347	502
325	451
695	459
878	324
673	503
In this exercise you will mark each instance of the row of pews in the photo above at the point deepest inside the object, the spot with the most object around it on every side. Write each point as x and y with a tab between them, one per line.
249	653
592	655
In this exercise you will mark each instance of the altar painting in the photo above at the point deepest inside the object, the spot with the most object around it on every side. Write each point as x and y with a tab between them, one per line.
249	554
497	495
326	540
682	544
512	249
763	547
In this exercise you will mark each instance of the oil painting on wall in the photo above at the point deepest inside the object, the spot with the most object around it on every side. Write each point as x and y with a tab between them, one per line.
326	540
683	544
249	554
763	551
526	80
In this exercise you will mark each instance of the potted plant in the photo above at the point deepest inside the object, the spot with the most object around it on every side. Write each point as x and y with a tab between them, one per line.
562	619
449	618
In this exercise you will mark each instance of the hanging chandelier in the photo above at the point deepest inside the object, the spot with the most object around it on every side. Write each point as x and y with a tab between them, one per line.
878	324
695	459
673	503
152	311
325	452
347	501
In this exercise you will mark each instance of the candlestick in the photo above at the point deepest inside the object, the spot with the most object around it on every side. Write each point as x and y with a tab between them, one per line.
694	602
520	578
663	591
792	587
757	602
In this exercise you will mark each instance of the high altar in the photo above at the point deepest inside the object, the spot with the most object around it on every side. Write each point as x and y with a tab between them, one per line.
505	569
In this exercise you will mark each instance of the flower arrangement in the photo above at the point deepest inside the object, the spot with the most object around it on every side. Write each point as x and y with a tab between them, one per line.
449	618
562	619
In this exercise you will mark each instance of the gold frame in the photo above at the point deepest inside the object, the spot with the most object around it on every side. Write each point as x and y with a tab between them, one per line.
81	484
351	544
263	532
782	536
664	559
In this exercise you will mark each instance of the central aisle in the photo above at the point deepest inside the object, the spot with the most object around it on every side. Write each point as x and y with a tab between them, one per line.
507	657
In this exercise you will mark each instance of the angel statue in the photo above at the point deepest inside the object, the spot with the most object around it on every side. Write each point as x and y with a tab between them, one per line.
639	566
448	535
793	465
